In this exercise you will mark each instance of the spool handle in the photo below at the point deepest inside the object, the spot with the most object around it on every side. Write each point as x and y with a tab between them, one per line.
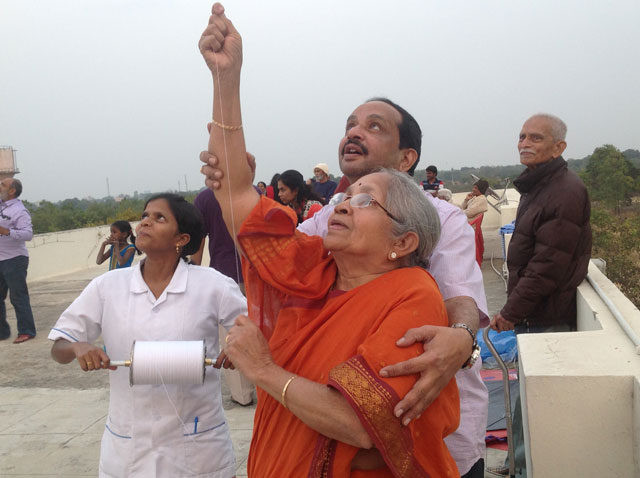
127	363
120	363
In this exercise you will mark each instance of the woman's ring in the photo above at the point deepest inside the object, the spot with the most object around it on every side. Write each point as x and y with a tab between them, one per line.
226	339
89	364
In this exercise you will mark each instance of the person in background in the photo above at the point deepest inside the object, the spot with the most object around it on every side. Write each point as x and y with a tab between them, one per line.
121	252
323	186
224	258
15	230
164	430
476	203
550	249
293	192
272	188
474	206
445	195
432	184
262	187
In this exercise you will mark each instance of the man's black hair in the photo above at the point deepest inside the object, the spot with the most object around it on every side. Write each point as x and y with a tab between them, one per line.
409	129
189	220
432	169
16	185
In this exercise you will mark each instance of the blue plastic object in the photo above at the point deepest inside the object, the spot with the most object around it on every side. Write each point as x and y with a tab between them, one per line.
505	344
506	229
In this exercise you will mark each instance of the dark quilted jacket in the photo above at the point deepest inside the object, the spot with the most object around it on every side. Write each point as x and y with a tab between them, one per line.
551	246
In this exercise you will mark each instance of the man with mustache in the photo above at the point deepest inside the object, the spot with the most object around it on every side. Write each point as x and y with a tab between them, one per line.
381	134
551	245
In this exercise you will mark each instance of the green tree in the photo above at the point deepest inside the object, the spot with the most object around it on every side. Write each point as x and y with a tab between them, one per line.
608	176
616	241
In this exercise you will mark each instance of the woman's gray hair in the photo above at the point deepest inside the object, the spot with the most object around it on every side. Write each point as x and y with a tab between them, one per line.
414	213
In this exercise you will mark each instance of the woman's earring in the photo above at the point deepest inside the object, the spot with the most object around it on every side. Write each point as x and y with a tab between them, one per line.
393	255
177	249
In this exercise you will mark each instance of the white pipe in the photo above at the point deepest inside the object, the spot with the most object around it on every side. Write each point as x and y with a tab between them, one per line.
616	313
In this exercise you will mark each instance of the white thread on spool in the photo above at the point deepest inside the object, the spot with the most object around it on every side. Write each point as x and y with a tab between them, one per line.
165	362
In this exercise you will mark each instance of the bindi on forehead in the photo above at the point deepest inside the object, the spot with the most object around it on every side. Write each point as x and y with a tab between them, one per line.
361	187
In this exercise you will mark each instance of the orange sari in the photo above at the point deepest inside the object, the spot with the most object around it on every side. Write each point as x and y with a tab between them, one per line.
341	339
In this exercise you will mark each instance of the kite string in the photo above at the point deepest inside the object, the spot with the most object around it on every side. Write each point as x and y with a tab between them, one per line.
228	171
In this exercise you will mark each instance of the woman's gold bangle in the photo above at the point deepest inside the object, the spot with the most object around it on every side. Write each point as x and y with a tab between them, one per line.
284	392
227	127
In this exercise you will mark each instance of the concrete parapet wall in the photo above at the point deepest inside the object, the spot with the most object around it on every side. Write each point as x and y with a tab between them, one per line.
492	219
582	398
56	253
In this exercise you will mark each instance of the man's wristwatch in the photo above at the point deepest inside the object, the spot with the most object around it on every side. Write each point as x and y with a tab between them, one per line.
475	349
475	355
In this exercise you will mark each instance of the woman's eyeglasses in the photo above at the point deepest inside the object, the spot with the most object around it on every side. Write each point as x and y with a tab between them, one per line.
361	200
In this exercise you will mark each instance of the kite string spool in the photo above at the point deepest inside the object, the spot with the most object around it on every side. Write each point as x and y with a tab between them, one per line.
169	362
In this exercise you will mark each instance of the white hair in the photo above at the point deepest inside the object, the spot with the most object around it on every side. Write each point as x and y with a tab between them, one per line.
407	202
446	194
556	125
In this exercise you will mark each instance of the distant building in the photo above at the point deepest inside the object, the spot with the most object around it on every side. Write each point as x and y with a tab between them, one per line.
8	167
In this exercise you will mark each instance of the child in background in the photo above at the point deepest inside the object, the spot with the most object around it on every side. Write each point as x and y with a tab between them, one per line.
121	253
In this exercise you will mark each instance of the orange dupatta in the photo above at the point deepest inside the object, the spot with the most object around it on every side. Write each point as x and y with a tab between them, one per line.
341	339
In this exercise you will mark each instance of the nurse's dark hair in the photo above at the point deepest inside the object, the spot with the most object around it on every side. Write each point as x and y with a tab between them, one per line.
189	220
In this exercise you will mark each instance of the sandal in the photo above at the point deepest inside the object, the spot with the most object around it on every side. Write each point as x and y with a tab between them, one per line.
23	338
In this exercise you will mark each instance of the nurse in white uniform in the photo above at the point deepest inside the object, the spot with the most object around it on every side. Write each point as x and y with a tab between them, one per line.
157	430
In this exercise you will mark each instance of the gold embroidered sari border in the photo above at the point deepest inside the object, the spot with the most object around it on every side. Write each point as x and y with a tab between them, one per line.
373	401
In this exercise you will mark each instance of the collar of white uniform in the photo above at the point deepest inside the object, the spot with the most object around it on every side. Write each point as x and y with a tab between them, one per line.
177	285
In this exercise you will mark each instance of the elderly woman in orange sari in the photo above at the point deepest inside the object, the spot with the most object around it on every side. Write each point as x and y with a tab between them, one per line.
324	314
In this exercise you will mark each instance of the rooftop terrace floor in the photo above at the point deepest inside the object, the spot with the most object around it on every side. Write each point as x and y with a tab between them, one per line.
52	416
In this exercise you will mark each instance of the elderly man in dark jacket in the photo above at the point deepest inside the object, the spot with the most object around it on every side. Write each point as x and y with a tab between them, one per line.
551	244
550	248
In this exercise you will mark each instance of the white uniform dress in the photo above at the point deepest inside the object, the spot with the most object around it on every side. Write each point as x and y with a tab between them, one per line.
156	430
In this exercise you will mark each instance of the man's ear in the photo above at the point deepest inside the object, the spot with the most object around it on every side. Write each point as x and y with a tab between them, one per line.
408	159
406	244
559	149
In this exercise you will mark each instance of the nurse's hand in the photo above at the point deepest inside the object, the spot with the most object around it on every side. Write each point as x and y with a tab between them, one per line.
248	348
91	357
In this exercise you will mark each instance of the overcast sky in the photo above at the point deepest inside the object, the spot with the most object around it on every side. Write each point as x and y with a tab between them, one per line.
118	89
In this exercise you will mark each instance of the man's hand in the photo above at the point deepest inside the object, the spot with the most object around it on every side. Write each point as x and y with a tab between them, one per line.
445	351
500	324
221	45
213	175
